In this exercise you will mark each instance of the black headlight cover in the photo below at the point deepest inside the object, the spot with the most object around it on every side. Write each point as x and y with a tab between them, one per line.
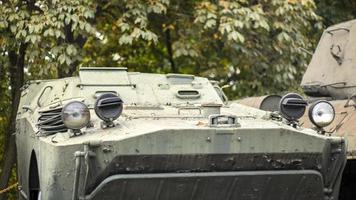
108	107
292	106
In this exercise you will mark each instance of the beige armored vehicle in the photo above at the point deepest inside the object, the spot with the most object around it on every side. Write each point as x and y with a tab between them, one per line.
330	86
331	77
109	134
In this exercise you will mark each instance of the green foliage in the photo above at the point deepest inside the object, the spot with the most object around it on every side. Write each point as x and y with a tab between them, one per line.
53	31
253	46
334	12
4	102
4	95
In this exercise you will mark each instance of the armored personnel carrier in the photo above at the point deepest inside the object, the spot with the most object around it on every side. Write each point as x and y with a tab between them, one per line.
330	86
331	78
109	134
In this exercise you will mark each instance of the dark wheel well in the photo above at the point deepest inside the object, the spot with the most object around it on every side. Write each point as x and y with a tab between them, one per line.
348	182
33	178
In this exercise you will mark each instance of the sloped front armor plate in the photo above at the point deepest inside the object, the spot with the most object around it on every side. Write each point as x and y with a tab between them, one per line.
264	185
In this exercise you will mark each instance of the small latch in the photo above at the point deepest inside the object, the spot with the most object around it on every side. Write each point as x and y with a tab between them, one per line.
223	121
163	86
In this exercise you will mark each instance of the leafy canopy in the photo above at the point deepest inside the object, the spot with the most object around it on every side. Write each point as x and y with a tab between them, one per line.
54	32
255	46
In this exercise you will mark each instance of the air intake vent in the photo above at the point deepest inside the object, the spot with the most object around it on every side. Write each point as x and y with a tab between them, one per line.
188	94
50	122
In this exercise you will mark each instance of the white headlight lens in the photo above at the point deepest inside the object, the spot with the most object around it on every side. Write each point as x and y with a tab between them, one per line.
75	115
322	114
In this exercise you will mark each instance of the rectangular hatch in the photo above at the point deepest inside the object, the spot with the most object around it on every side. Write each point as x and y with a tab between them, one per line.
104	76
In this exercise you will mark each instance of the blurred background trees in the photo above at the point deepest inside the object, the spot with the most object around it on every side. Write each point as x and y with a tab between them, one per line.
246	44
254	46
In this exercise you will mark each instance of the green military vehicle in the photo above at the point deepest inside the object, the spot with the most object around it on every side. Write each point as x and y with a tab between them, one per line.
330	86
109	134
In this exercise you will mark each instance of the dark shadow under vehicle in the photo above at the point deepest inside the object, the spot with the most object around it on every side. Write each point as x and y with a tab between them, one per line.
348	183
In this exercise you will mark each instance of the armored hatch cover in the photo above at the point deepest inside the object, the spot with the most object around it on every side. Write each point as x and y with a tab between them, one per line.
332	70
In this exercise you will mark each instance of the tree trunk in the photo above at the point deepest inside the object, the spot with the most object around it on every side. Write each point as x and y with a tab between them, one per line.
17	61
170	50
2	77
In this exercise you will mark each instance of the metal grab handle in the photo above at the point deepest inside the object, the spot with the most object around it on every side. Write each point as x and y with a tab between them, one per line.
43	91
338	29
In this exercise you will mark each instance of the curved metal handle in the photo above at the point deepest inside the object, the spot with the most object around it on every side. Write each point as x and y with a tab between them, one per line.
43	91
338	29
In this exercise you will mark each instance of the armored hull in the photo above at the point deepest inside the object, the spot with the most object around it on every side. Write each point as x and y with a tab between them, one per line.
175	139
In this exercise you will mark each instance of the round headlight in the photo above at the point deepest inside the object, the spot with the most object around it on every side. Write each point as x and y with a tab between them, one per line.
75	115
321	113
